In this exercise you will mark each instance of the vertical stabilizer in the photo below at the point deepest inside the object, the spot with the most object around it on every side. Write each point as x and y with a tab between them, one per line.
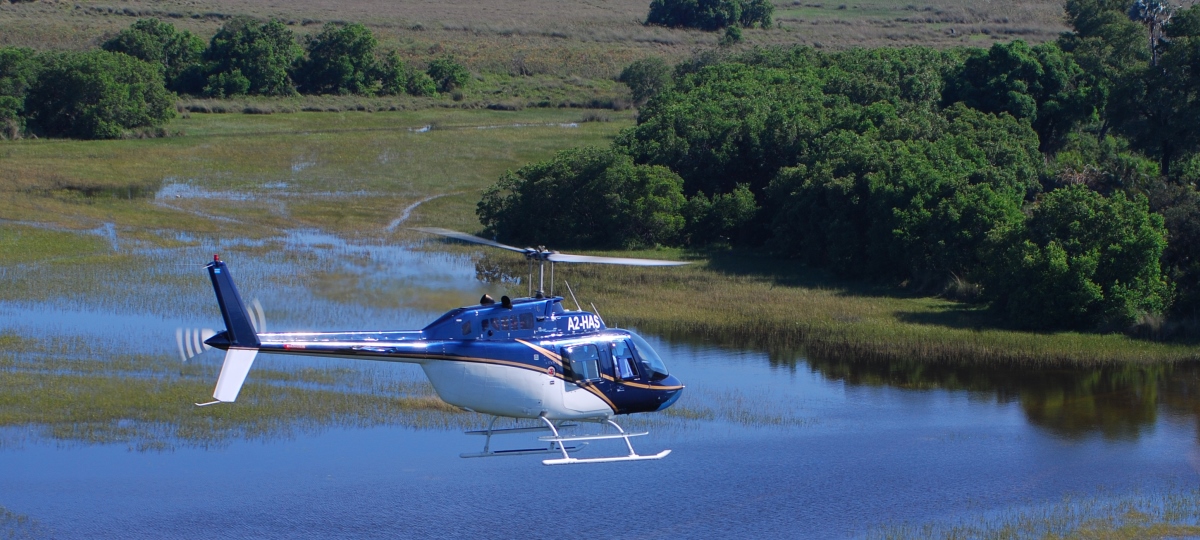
239	331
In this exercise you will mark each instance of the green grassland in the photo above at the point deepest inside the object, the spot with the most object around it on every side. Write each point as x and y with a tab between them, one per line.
593	40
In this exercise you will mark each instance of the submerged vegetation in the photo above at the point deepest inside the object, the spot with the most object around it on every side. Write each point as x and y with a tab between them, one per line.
1169	514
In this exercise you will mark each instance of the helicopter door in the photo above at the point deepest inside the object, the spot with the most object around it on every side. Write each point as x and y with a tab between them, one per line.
581	365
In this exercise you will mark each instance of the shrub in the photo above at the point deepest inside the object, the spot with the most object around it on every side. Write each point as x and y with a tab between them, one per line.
585	197
341	60
97	95
447	74
157	42
725	217
646	78
259	53
710	14
1080	261
18	71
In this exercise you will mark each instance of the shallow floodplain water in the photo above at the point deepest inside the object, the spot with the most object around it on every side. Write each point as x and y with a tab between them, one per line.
806	448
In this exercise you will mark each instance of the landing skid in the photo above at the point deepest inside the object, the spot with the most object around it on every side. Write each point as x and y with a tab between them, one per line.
554	448
568	460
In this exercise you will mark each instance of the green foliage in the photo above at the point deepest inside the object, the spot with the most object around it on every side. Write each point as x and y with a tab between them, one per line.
646	78
157	42
341	60
1158	106
447	74
18	70
875	205
397	78
1038	84
733	36
260	54
97	95
725	217
585	197
1180	208
1080	261
710	14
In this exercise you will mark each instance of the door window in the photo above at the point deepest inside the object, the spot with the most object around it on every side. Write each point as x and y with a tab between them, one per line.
623	358
582	362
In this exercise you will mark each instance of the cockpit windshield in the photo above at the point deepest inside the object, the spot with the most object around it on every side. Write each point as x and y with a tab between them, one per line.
654	365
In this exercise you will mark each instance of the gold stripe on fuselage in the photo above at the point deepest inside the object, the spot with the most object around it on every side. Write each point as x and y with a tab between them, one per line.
549	353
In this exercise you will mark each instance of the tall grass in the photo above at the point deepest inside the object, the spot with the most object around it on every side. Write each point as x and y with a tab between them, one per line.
1170	514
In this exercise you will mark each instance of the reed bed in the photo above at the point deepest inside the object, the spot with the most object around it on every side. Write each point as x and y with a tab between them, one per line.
1168	514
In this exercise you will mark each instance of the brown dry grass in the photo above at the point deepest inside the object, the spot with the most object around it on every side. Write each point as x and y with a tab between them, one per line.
587	39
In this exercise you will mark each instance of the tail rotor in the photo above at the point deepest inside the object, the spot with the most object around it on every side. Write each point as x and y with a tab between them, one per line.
190	341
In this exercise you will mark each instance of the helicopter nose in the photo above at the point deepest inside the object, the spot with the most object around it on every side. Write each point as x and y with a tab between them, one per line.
671	395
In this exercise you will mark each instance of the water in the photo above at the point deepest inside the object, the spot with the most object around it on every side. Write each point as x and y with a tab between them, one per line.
810	448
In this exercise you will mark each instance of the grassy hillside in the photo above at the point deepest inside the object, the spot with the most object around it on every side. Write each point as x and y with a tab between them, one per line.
550	37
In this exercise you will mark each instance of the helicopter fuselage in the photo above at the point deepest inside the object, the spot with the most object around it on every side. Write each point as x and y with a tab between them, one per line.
526	359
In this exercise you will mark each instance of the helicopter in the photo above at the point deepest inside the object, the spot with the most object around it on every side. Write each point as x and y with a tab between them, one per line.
523	358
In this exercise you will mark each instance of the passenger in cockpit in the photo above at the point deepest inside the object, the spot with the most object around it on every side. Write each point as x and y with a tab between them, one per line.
486	300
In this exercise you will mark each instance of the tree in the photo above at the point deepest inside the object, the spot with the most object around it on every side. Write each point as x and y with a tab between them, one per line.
725	217
18	70
448	74
398	78
1039	84
1081	261
341	60
710	14
883	204
255	56
1180	208
97	95
157	42
646	78
586	197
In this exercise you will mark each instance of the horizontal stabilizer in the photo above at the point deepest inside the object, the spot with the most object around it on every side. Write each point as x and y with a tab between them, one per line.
233	373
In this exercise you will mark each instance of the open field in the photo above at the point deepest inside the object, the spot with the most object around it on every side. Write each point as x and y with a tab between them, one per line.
547	37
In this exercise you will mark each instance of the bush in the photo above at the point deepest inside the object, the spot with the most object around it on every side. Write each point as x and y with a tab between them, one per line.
396	78
646	78
724	218
1180	208
159	43
1080	261
259	53
710	14
447	74
873	205
97	95
341	60
585	197
1040	84
18	71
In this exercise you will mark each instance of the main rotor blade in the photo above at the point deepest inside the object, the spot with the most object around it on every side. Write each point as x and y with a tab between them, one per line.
565	258
466	237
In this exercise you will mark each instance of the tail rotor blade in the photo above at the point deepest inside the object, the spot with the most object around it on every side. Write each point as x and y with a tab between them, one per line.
190	341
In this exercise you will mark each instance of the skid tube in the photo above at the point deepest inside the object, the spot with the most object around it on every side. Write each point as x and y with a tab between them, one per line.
554	448
568	460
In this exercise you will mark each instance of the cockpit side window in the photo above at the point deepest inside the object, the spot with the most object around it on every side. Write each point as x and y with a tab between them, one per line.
582	362
623	358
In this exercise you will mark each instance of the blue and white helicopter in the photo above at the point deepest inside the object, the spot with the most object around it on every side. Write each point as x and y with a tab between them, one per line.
528	358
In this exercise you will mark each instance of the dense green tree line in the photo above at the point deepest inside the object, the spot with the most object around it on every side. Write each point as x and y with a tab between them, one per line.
1060	178
129	83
